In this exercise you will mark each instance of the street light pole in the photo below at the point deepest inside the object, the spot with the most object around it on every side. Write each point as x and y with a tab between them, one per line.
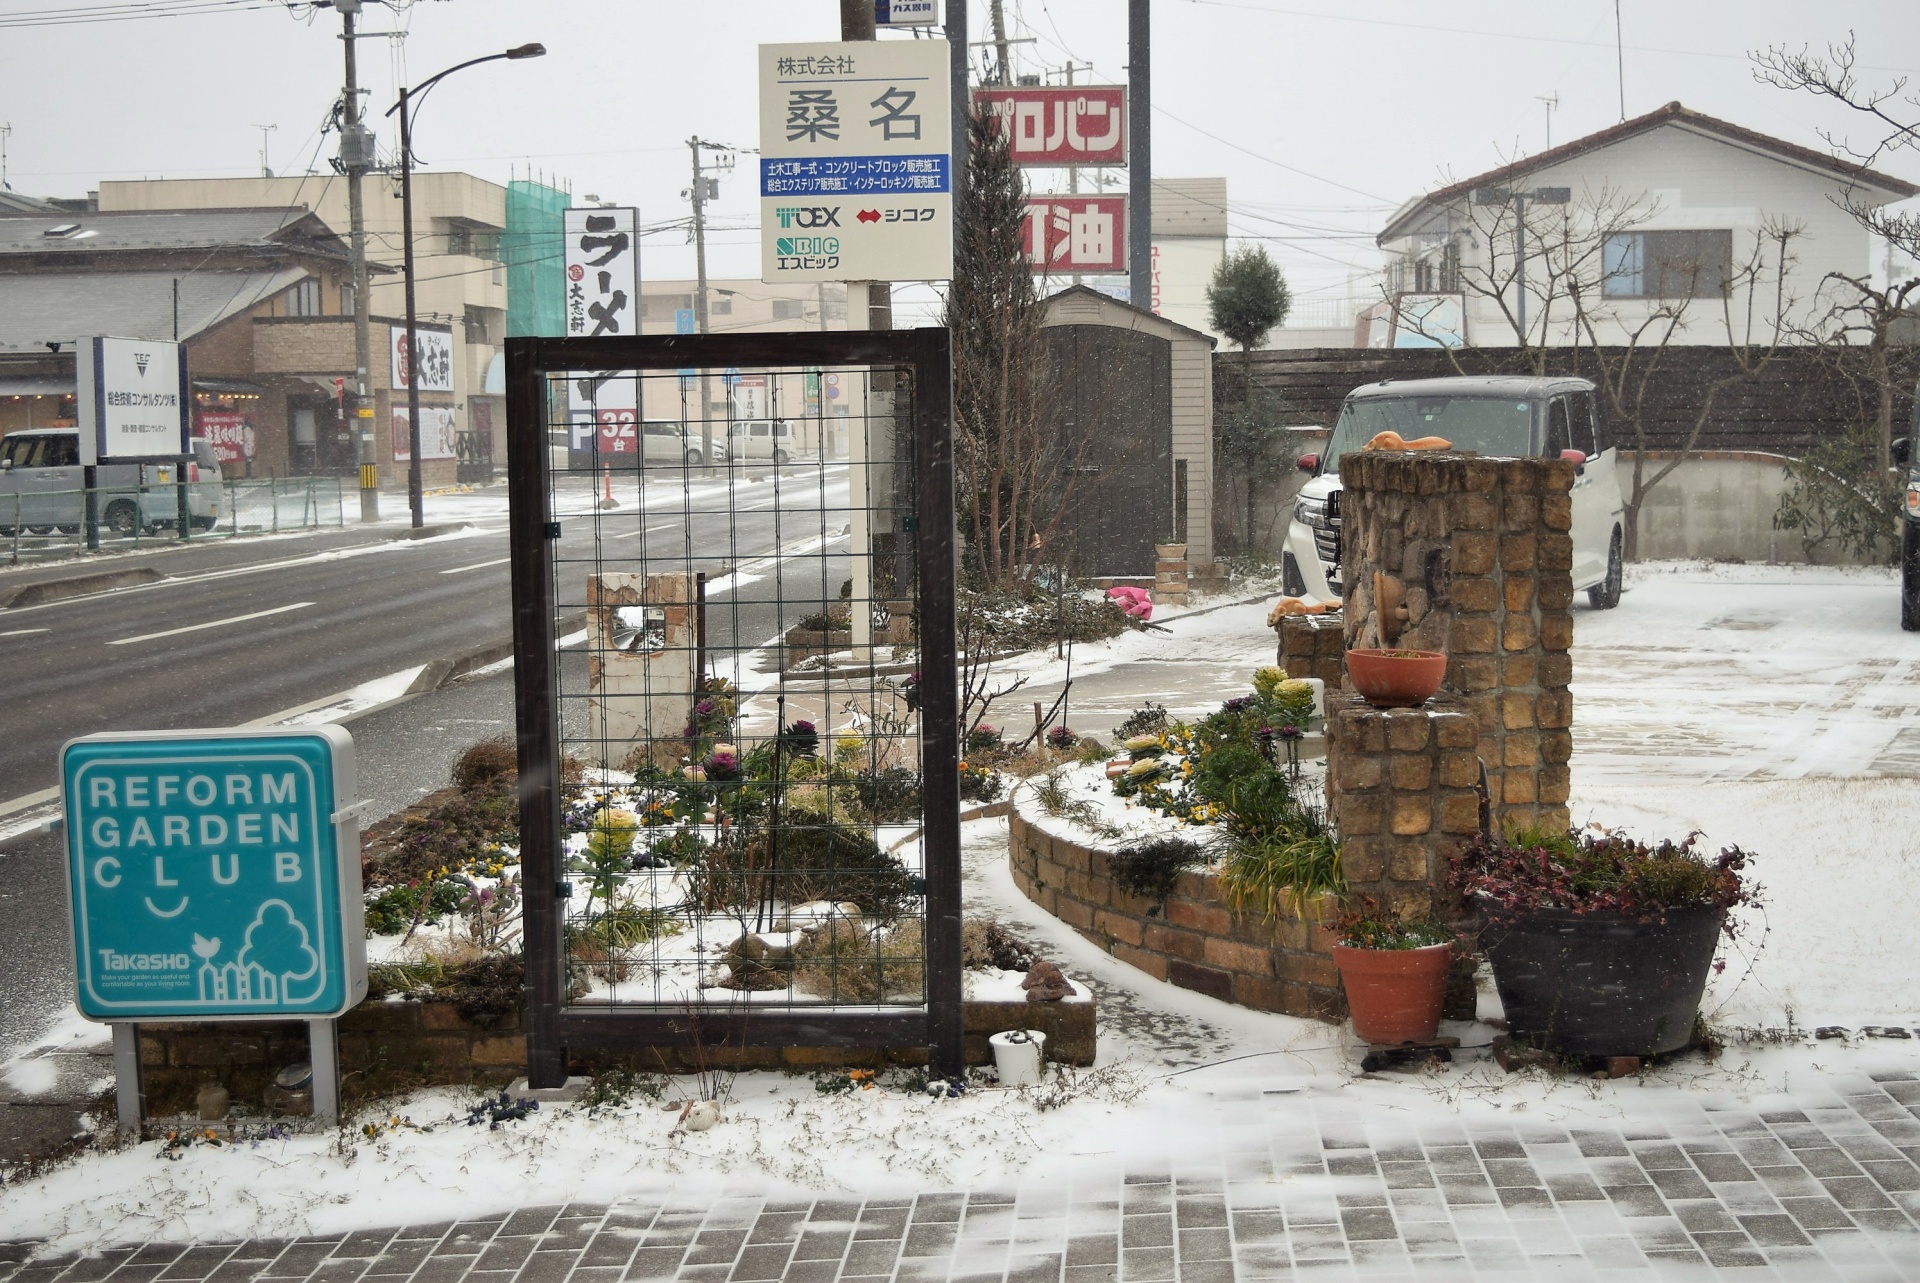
415	494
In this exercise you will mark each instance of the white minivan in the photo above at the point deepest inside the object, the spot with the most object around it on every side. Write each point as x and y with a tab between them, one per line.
41	480
1499	415
761	439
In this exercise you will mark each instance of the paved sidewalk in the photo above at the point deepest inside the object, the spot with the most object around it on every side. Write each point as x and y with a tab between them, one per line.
1302	1186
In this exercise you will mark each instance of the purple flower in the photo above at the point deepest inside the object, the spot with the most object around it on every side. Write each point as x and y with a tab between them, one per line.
704	708
722	765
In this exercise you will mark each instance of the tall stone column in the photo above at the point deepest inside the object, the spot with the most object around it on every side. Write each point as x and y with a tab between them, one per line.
1473	557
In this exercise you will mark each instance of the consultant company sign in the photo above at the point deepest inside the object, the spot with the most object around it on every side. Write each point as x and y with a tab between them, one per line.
133	401
214	874
856	179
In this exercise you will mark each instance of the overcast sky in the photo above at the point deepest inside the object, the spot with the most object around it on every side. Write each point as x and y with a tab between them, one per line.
1322	115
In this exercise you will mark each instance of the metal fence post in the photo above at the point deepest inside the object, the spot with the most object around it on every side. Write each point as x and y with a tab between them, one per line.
273	498
130	1093
16	527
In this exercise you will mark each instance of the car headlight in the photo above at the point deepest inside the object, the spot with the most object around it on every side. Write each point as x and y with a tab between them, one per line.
1306	512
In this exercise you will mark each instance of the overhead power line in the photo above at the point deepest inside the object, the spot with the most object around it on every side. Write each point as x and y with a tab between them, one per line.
127	11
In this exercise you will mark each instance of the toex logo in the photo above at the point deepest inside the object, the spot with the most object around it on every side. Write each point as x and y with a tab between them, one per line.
112	960
809	216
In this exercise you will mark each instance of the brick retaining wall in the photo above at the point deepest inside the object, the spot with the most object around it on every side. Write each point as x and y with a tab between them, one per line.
394	1046
1195	942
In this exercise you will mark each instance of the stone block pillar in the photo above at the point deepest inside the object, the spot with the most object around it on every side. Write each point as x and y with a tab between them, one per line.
1403	791
642	646
1314	646
1479	552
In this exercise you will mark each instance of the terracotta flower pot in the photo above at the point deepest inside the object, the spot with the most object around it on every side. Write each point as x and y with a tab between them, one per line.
1395	995
1396	678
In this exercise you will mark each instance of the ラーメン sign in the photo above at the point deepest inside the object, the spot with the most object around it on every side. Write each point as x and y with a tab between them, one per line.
856	178
133	401
602	267
214	874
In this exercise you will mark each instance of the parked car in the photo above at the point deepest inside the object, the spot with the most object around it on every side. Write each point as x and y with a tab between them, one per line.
761	439
40	468
1511	416
591	446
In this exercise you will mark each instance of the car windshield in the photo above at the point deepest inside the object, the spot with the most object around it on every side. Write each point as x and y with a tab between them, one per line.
1483	424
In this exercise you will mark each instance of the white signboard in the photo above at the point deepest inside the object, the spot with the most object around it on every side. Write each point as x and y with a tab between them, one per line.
603	272
133	401
856	180
434	351
906	13
437	433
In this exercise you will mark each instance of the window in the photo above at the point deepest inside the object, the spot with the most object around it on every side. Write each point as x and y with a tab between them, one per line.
1558	436
789	309
722	305
346	298
304	298
61	450
1667	264
1581	422
477	328
474	242
661	307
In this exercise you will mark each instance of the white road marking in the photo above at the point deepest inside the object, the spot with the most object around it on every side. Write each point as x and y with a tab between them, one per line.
214	623
478	565
22	632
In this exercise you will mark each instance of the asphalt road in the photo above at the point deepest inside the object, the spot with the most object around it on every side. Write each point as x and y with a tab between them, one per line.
230	638
241	631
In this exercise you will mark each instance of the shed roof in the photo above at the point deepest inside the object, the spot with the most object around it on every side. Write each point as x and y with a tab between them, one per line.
1141	318
1671	115
268	230
58	307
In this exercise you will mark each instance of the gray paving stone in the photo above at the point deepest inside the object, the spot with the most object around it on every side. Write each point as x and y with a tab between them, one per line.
812	1272
548	1267
443	1269
1857	1193
1826	1160
1718	1168
1092	1274
1368	1223
762	1264
939	1207
716	1247
400	1258
1679	1182
656	1263
872	1256
1200	1213
1637	1200
1816	1213
1146	1231
822	1245
505	1253
1574	1188
196	1263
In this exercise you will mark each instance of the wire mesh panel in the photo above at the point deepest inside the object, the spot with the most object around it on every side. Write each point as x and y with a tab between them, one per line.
734	764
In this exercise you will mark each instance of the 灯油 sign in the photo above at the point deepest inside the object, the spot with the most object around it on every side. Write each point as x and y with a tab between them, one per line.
856	180
214	874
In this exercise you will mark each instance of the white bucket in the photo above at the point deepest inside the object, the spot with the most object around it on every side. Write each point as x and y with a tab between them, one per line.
1018	1055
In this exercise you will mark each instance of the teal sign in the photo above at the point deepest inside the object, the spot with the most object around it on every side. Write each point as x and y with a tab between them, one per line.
214	874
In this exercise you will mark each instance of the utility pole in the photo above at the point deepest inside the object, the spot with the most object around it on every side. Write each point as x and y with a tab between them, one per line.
1002	72
1140	153
266	171
356	158
703	190
6	131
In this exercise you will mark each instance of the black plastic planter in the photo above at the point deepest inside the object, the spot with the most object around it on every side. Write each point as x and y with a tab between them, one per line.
1602	984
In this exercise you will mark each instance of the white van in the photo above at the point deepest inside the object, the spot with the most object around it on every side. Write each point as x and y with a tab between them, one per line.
761	439
1504	415
41	481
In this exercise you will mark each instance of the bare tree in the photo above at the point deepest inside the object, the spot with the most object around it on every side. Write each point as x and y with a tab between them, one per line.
1864	314
1754	328
1016	470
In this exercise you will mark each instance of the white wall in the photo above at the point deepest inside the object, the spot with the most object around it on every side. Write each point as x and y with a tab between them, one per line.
1680	179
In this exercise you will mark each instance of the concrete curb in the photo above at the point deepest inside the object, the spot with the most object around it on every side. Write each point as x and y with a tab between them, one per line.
432	530
438	672
46	590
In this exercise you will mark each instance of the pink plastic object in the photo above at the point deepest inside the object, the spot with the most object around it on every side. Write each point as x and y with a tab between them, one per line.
1137	602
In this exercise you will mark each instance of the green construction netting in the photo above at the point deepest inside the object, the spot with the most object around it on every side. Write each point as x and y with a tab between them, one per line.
532	249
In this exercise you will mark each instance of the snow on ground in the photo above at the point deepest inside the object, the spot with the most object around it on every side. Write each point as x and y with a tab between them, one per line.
1766	706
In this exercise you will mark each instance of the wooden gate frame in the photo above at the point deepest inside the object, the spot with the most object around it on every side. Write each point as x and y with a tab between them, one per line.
553	1027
